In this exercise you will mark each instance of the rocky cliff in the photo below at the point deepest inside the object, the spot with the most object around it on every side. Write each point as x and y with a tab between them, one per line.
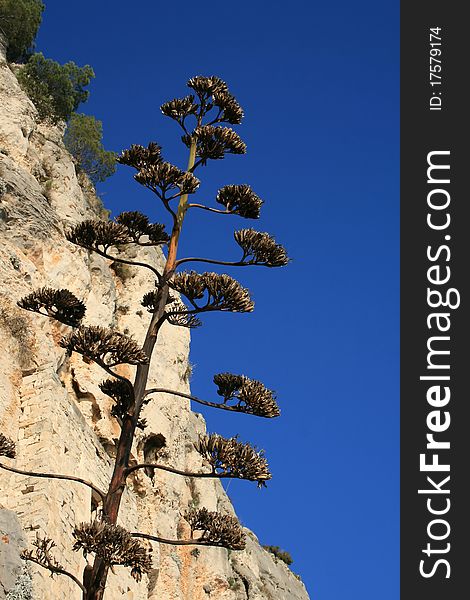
52	407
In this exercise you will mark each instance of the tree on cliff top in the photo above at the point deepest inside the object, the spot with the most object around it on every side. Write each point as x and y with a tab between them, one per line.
56	90
20	21
202	116
83	139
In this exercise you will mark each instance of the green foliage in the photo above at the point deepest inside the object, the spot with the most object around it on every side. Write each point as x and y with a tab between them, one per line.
281	554
83	139
19	21
56	90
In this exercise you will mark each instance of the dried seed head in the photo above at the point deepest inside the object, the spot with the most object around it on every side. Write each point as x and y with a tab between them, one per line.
251	396
178	315
232	112
114	545
104	346
215	142
260	248
61	305
151	300
222	291
207	86
140	157
94	234
179	108
42	555
7	447
228	456
137	225
122	394
217	529
165	176
240	200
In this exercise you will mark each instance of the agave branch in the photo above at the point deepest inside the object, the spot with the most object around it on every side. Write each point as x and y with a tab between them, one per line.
228	456
161	540
122	392
139	157
259	249
212	93
159	467
221	291
8	449
114	545
251	396
216	530
180	316
42	556
164	177
192	474
104	346
99	236
238	200
138	225
54	476
180	109
60	305
214	143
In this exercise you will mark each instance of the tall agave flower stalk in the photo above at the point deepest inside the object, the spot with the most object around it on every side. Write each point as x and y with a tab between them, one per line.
203	116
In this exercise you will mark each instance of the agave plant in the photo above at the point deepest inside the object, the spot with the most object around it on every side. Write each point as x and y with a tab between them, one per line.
179	298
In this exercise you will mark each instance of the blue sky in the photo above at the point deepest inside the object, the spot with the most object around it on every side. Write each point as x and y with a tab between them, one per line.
319	85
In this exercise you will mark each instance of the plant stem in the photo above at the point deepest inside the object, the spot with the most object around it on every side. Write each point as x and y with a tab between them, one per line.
97	581
195	542
54	476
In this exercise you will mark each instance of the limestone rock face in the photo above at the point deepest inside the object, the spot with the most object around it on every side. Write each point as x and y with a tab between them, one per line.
52	407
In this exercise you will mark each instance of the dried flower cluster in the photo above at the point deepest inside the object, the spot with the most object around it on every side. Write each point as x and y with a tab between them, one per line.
228	456
180	108
215	142
104	346
251	396
240	200
217	529
114	545
42	555
179	315
156	174
260	248
229	109
205	87
212	93
223	292
94	234
137	225
61	305
7	447
164	176
122	394
151	300
139	157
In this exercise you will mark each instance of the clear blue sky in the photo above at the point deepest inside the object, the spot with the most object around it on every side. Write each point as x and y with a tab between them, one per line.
319	85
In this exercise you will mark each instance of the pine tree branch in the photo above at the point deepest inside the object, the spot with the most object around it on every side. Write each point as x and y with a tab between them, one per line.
54	476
